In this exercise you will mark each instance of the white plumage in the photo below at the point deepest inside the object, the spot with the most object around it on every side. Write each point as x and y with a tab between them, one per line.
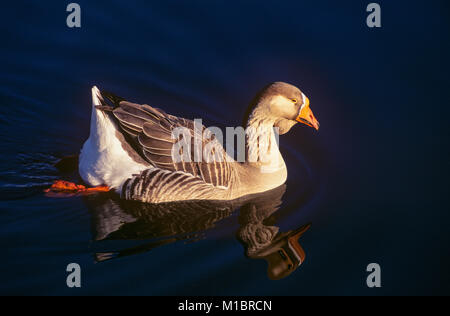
103	159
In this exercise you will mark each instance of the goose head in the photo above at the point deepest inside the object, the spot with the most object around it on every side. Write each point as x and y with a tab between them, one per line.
284	105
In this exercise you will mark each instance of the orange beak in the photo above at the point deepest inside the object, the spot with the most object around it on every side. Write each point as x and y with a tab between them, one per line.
306	116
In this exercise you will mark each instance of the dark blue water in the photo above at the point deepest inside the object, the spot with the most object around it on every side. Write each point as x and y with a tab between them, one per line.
373	182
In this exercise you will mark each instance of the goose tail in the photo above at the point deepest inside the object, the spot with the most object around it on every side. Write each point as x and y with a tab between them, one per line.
104	100
97	97
103	159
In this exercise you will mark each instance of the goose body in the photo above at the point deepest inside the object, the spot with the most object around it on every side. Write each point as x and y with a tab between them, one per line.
132	149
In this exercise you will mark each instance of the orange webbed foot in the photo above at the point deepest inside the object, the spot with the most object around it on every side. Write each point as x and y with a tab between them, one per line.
61	188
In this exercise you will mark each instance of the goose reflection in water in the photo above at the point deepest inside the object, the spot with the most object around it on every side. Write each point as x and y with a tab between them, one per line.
116	219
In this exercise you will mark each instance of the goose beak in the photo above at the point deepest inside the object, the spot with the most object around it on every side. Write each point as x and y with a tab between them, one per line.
307	117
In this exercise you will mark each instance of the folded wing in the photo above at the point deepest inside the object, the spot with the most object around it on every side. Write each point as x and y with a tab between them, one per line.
172	143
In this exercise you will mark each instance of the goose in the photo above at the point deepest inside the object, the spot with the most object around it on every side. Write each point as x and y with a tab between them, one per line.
130	149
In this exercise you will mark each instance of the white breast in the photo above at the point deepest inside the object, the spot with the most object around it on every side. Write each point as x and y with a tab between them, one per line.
103	161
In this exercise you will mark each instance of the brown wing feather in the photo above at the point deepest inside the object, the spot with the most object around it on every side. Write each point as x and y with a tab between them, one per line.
151	131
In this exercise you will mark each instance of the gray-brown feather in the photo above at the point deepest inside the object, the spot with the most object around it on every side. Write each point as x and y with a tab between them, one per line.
157	185
151	131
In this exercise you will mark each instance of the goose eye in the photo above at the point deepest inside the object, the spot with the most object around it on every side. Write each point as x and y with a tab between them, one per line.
294	100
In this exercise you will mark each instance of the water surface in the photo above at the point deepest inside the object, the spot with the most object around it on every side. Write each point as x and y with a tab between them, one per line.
373	181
